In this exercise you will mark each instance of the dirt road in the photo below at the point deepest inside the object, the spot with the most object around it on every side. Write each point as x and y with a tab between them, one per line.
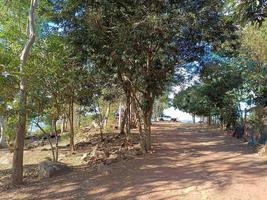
189	163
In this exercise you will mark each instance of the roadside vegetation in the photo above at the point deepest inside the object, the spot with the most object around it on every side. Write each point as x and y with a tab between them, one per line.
84	80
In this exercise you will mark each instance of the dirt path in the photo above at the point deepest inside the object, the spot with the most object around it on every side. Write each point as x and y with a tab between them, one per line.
189	163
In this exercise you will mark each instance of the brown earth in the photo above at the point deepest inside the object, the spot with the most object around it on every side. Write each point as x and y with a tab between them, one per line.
189	163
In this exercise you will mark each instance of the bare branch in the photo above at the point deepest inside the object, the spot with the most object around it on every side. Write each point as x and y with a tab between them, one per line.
30	32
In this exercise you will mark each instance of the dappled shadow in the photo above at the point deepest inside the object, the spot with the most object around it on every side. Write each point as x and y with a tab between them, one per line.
186	158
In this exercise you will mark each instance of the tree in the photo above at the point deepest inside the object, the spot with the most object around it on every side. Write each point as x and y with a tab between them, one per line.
218	93
192	100
254	11
139	43
17	176
11	37
160	104
253	51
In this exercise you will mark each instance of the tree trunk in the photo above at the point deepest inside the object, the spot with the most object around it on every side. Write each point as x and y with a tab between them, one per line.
147	130
100	121
101	133
17	168
139	124
149	99
123	122
65	122
62	125
76	117
107	115
245	124
119	123
71	123
3	143
146	133
54	129
209	119
49	140
128	114
221	120
194	118
133	114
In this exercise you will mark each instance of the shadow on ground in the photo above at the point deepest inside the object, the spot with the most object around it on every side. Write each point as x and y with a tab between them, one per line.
186	158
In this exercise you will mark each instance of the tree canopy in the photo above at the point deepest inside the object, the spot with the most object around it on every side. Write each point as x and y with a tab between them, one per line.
61	61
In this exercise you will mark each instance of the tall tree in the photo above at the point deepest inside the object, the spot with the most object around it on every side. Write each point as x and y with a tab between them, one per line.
17	175
140	43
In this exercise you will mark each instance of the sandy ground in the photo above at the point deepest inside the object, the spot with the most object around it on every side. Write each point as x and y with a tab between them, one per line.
189	163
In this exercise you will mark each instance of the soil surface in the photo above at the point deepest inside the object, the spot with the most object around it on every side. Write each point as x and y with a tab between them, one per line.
188	163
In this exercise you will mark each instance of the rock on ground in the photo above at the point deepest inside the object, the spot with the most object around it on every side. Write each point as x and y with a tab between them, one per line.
49	169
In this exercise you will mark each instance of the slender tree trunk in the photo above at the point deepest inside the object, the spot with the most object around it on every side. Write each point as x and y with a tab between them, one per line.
76	116
17	168
62	125
101	127
209	119
221	120
123	122
139	124
194	118
101	133
119	123
54	129
107	115
149	99
100	122
66	124
133	114
49	140
147	130
71	123
146	135
3	143
17	176
128	114
245	124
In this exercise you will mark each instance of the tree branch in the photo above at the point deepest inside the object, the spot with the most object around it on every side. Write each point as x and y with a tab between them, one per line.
30	32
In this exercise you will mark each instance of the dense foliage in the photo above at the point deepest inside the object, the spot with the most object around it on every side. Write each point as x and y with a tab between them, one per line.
61	61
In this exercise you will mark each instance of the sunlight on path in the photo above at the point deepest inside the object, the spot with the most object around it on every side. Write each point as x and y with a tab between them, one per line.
189	163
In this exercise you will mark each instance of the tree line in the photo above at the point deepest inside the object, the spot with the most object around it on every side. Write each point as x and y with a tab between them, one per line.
231	89
56	56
